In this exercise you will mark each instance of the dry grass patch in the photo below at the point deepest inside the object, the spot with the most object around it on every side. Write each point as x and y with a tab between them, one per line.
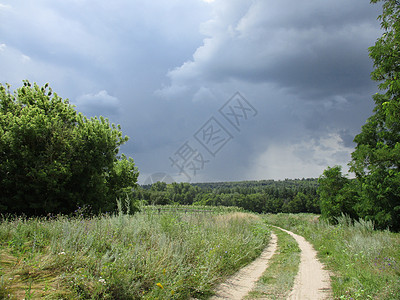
236	216
22	278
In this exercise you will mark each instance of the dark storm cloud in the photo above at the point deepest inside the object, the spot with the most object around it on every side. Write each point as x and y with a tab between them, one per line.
317	49
161	69
306	67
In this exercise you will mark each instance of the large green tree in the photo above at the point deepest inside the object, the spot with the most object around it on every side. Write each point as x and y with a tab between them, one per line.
376	159
53	159
337	195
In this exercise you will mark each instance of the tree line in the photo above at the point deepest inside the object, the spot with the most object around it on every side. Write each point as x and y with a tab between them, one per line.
266	196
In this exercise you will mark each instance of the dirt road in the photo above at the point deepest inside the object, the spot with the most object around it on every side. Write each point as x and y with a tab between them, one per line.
239	285
312	281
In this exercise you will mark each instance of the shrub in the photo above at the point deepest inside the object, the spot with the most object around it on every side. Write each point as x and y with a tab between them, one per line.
54	159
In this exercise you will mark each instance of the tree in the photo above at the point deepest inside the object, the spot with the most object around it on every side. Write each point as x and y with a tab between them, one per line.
376	159
336	196
296	205
53	159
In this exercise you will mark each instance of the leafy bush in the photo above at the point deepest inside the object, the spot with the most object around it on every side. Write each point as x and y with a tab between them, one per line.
53	159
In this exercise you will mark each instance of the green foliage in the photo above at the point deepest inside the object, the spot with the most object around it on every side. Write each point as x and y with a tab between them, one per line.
298	195
53	159
364	263
337	195
376	160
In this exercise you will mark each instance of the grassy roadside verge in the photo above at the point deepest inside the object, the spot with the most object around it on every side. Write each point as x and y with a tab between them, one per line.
364	262
277	281
146	256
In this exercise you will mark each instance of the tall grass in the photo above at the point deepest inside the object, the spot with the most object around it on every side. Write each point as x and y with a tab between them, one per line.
150	255
364	262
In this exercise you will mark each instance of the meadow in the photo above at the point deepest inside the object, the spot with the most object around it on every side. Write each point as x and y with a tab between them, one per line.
183	252
153	254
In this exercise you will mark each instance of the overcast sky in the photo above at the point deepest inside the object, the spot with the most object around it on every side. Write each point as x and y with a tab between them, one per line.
220	90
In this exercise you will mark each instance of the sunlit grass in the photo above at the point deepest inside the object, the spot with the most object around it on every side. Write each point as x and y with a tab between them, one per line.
150	255
364	262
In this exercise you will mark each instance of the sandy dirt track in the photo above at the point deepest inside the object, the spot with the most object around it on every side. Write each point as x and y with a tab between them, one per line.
240	284
311	283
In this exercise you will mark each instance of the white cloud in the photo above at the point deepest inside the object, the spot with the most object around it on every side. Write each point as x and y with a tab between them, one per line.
2	47
307	158
96	104
5	6
203	95
25	58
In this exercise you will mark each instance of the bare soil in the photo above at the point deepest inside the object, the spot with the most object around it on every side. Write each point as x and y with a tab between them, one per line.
312	281
240	284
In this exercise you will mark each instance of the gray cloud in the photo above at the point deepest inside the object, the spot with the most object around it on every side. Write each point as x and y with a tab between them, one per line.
96	104
163	68
312	49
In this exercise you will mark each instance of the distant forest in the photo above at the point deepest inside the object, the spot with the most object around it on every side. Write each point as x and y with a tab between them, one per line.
265	196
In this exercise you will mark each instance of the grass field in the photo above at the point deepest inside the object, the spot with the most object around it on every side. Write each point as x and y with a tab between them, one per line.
364	262
184	252
150	255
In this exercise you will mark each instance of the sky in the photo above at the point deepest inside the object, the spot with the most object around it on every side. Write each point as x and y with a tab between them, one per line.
223	90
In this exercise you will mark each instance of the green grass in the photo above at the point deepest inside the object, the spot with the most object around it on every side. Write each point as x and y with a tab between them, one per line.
150	255
277	281
364	262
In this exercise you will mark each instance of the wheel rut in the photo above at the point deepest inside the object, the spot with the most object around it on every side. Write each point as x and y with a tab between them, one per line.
311	283
240	284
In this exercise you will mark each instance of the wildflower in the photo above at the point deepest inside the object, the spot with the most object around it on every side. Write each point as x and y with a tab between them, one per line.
164	271
61	253
160	285
102	280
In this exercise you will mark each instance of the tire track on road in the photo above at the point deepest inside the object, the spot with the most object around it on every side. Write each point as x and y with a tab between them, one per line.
240	284
312	281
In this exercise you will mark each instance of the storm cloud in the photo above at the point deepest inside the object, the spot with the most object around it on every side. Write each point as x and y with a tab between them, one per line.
162	69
